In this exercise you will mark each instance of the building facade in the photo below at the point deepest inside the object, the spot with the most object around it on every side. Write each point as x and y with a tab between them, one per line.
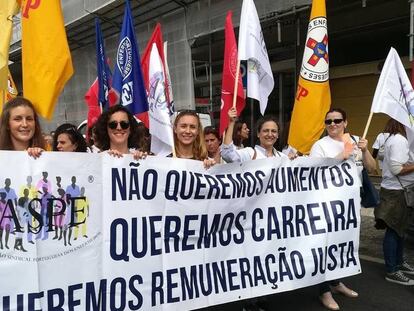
360	35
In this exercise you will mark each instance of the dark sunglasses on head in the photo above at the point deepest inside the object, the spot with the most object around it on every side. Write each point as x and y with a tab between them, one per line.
114	124
336	121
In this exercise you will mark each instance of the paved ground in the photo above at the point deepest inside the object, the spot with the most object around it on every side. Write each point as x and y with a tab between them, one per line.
375	294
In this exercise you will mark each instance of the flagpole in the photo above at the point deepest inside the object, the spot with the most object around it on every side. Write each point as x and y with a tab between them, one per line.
367	125
236	83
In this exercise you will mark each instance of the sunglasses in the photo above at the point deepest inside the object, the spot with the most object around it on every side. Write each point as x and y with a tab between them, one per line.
336	121
113	125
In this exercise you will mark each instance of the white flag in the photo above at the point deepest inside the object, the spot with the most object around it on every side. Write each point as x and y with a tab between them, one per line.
162	141
394	94
252	48
169	87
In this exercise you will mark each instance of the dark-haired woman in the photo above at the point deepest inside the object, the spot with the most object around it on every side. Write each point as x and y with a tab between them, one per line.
267	133
340	145
68	139
20	128
116	132
213	141
240	133
392	213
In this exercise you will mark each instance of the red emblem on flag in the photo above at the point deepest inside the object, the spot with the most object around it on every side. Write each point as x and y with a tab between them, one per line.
319	50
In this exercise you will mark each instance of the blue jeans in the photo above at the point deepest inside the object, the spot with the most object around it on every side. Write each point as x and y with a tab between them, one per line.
393	247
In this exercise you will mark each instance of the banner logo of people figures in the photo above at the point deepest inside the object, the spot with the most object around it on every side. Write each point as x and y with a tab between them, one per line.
315	64
43	210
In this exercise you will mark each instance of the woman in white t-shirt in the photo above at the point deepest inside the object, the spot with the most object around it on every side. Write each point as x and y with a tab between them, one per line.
393	214
378	145
267	133
340	145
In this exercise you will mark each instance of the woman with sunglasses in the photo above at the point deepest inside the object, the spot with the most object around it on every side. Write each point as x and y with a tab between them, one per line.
68	139
116	131
267	133
20	128
337	144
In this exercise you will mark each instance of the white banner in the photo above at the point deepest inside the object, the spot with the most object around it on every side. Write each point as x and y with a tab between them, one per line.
98	233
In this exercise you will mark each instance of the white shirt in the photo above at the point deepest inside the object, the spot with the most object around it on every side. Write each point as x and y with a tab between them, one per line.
397	152
230	154
378	143
93	149
328	147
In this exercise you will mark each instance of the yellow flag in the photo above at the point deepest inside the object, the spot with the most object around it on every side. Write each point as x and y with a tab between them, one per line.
8	8
9	93
46	59
313	96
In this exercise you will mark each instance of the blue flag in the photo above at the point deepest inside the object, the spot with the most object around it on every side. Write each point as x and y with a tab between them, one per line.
128	80
104	73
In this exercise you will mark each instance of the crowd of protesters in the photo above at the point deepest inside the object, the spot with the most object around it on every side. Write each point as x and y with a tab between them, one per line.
118	133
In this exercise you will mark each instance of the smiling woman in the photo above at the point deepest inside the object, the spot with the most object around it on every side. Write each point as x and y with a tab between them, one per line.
267	133
19	127
340	145
188	136
116	131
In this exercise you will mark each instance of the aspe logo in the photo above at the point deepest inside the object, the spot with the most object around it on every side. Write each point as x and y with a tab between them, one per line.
42	211
315	63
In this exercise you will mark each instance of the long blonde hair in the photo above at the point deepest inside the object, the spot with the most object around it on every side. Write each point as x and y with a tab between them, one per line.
199	145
